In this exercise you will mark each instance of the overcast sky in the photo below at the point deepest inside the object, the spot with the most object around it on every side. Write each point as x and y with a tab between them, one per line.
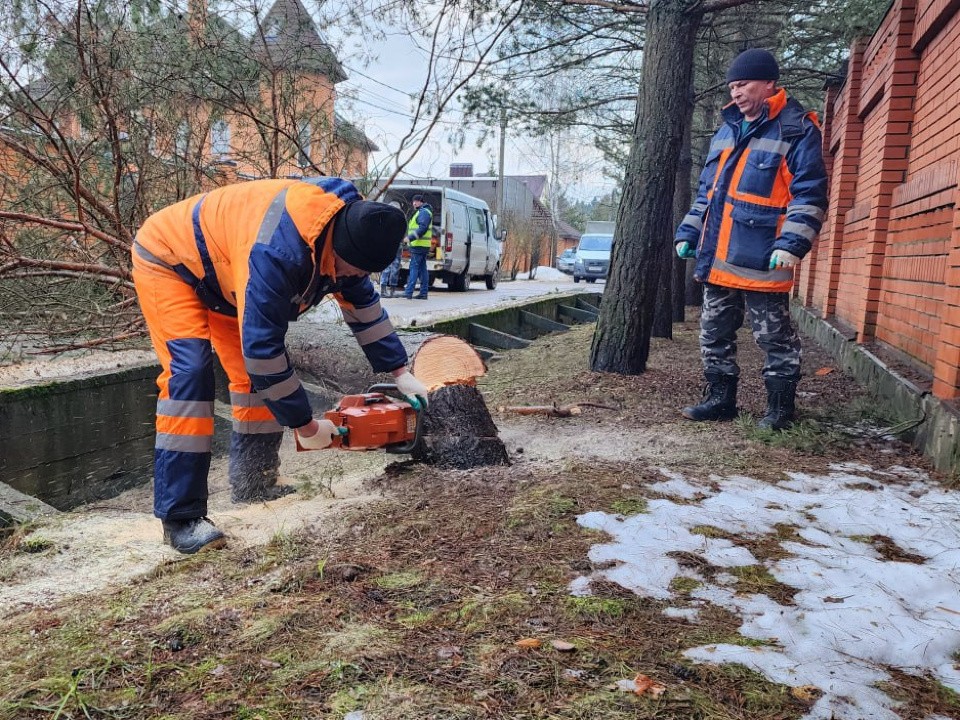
376	96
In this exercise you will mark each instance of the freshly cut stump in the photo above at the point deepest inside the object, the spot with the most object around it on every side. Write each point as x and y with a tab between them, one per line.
458	431
447	360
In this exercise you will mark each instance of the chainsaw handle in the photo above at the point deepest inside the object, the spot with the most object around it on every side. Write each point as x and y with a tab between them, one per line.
392	391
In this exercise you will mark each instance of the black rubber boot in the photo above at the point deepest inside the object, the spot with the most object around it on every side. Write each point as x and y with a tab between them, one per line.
190	536
781	407
719	400
255	467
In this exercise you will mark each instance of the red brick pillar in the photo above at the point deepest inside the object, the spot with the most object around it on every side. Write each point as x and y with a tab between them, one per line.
900	88
842	150
946	368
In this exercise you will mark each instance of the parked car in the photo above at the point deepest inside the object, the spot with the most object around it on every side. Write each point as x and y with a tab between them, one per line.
465	243
565	260
593	258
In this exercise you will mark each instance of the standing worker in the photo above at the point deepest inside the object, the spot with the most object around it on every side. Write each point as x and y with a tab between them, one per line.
390	275
420	237
761	202
227	271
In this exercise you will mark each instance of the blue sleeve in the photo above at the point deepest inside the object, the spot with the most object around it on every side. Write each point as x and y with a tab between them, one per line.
278	272
808	208
371	325
691	227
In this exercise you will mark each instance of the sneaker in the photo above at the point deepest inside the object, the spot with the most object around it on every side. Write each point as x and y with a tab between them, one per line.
420	297
408	297
190	536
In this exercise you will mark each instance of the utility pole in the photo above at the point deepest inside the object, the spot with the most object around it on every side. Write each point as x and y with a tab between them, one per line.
501	186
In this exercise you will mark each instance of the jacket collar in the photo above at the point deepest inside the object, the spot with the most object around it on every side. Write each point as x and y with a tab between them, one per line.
773	106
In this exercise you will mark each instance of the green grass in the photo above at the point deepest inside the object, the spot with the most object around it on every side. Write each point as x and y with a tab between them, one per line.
596	607
754	579
683	585
634	506
399	580
806	436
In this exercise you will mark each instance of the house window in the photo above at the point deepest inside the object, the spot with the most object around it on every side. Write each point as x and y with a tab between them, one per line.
303	143
220	139
182	141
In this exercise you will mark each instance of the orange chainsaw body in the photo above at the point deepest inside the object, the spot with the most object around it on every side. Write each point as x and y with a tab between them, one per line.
373	420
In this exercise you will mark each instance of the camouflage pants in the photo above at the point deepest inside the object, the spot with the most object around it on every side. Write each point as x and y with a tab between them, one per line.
722	316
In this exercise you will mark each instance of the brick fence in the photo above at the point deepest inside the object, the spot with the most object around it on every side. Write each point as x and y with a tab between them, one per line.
887	265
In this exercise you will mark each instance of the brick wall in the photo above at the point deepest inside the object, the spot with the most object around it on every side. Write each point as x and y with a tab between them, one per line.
887	262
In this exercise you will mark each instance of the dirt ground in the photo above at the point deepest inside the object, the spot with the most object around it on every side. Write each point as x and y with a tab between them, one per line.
384	589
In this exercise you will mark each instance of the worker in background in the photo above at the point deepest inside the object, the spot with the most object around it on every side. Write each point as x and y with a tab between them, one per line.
390	276
762	200
420	237
226	272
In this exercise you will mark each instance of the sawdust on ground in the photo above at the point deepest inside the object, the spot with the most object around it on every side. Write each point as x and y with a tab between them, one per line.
107	544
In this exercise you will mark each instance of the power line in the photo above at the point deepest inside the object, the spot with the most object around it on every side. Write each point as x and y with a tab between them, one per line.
405	93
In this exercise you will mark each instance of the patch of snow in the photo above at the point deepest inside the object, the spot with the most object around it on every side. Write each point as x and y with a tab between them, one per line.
677	485
855	613
691	614
543	272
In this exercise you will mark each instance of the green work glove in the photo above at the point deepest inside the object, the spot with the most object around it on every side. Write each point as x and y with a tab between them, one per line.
414	390
685	251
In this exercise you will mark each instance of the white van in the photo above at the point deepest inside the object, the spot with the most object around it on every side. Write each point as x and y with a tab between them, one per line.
465	246
592	261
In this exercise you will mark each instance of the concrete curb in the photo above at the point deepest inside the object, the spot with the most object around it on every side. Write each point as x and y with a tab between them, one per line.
938	425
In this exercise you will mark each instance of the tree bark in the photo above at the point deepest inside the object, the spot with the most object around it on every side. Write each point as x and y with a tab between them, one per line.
458	431
681	206
644	227
670	299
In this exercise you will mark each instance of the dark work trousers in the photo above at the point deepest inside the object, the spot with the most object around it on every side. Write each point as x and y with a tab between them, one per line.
722	316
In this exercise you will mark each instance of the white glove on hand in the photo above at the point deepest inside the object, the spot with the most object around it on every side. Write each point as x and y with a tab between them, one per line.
414	390
783	259
326	432
684	251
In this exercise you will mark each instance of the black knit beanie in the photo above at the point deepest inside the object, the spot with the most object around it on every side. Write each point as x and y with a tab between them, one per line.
367	234
753	64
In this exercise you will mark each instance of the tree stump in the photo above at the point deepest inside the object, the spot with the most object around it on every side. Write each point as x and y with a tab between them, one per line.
458	431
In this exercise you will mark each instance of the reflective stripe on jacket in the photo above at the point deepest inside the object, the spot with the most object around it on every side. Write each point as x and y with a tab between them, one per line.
421	227
760	191
269	255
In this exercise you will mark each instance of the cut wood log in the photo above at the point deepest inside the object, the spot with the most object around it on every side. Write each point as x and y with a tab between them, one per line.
447	360
458	431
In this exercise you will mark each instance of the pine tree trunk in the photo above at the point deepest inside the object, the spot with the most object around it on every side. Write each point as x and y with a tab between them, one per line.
682	199
644	227
670	298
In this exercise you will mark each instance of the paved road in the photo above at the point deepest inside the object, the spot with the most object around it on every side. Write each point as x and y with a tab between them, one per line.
442	303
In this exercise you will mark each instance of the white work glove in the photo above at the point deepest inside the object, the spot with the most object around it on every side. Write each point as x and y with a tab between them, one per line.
685	251
783	259
323	434
414	390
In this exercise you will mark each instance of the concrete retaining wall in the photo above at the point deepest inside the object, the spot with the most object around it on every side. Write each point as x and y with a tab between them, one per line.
71	442
75	441
938	429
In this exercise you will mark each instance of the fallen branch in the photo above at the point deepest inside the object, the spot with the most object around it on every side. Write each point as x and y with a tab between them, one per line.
548	410
597	405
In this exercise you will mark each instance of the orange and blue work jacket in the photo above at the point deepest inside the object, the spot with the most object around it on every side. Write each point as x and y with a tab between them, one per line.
761	190
262	251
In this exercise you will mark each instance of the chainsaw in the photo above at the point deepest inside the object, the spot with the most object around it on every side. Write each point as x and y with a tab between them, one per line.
378	418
